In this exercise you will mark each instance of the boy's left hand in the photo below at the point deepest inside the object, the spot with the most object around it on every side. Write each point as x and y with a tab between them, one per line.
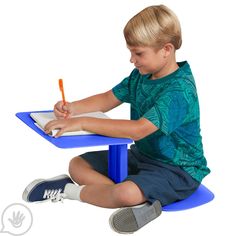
63	125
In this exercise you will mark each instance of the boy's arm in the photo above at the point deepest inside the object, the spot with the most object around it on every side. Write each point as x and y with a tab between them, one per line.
133	129
100	102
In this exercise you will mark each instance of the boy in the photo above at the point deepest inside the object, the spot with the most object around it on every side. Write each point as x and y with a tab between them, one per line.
166	163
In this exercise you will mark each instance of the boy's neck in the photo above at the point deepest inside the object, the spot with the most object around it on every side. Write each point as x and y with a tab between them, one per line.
168	68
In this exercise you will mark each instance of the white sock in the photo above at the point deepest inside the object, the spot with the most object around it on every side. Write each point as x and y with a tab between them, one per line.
72	191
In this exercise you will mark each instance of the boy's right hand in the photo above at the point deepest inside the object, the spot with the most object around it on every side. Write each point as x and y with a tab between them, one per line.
62	111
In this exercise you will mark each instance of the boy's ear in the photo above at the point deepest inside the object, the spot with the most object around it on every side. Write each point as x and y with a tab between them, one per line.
168	48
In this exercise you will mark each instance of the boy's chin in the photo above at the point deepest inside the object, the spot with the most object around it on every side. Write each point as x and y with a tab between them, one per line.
142	72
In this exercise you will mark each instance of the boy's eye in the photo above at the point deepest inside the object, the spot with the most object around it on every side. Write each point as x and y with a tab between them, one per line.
138	53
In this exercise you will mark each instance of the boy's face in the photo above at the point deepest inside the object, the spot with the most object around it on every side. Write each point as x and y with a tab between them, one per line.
147	59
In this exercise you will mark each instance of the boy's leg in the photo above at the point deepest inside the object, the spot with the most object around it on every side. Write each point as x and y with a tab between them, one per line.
99	190
93	187
84	174
112	196
127	194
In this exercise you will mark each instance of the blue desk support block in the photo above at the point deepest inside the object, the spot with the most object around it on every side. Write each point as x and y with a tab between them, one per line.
201	196
118	162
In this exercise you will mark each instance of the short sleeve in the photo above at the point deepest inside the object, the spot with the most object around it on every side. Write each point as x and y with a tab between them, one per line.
121	90
169	112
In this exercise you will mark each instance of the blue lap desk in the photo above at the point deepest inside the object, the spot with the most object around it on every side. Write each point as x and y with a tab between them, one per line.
117	160
117	154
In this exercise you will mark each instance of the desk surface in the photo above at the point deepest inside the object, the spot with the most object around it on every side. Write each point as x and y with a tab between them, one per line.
72	141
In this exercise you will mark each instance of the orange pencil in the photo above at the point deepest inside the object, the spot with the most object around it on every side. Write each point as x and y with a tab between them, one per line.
62	91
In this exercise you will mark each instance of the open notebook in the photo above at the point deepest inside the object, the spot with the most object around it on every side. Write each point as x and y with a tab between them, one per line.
42	118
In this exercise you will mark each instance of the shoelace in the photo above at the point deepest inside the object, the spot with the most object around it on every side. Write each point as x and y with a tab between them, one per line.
58	197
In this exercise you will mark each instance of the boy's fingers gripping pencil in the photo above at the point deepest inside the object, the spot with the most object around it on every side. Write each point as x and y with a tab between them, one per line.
62	91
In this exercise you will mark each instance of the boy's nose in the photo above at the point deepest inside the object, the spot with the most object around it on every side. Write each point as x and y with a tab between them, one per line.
132	60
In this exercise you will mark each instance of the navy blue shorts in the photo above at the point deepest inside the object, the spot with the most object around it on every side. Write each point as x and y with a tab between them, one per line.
157	180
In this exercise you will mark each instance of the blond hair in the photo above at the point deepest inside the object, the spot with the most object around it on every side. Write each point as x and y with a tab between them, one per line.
154	26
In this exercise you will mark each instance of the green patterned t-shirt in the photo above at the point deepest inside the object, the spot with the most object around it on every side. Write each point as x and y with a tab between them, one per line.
171	104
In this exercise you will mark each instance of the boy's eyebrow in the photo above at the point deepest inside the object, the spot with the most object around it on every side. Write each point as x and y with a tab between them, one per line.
135	49
132	48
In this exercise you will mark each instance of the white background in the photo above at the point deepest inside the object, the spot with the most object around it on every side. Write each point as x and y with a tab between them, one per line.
82	42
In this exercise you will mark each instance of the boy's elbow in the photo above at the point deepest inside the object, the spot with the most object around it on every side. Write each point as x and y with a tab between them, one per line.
138	134
136	137
143	129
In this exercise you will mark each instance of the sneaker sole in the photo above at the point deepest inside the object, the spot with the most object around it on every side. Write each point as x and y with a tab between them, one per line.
111	223
127	211
35	183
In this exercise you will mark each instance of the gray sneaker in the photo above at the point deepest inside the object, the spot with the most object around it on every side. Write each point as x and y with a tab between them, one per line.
130	219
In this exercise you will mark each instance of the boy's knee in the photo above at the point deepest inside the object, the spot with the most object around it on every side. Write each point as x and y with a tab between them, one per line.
78	168
127	196
75	164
